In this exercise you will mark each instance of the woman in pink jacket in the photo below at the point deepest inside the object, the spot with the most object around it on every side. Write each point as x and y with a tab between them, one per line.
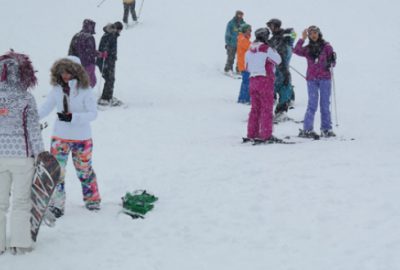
320	59
260	63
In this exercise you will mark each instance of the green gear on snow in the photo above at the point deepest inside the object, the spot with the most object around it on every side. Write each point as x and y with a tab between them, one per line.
138	203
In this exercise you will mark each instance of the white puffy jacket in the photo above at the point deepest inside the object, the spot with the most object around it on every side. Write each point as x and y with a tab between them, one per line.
82	105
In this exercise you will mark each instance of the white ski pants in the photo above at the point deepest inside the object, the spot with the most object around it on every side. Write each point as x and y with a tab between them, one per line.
16	180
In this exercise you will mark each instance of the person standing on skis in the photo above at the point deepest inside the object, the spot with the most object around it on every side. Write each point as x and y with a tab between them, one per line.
129	7
231	34
108	48
261	60
282	40
320	59
243	45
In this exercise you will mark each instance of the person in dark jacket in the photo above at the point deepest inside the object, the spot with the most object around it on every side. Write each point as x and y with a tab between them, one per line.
231	35
108	48
83	46
282	40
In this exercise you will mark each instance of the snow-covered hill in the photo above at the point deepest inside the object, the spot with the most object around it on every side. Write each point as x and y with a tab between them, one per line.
329	205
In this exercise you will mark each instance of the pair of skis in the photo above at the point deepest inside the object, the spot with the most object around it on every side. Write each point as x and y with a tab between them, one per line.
286	140
272	140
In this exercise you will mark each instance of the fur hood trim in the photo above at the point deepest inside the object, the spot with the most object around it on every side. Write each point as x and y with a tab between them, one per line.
77	71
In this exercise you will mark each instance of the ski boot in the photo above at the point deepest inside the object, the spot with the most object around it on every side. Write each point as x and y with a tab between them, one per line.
309	134
246	140
93	206
327	133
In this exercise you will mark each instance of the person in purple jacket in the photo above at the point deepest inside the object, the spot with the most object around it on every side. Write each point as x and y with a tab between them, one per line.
83	46
320	59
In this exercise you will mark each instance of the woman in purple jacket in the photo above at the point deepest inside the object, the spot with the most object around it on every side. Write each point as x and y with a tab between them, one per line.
320	59
83	46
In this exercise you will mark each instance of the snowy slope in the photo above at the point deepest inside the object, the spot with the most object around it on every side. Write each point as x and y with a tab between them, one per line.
329	205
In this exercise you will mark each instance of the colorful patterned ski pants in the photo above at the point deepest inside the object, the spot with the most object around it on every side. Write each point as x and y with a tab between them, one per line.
82	160
261	114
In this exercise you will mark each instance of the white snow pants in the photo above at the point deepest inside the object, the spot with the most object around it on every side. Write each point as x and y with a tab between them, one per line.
16	180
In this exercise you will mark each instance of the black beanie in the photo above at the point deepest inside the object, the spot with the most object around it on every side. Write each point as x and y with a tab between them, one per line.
118	25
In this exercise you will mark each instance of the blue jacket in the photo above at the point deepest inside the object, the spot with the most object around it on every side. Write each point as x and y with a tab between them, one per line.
232	31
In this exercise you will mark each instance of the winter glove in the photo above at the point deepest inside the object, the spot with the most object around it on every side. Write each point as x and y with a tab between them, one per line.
66	117
331	60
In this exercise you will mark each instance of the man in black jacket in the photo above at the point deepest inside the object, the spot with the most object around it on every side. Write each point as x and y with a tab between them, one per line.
106	62
282	40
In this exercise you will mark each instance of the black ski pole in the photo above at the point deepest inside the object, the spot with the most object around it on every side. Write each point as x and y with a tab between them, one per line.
101	3
100	80
298	72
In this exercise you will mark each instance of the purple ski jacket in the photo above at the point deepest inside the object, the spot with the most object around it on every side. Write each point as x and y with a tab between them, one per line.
316	70
83	44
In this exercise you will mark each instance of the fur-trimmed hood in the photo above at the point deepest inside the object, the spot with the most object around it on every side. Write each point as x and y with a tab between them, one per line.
16	72
88	26
110	28
77	71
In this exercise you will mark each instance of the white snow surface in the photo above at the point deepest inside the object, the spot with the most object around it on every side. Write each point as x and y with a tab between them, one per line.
322	205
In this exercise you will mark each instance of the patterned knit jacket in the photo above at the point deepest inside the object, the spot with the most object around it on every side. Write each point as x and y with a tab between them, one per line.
20	135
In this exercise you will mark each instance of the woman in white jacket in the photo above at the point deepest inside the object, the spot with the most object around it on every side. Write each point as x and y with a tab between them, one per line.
20	142
76	107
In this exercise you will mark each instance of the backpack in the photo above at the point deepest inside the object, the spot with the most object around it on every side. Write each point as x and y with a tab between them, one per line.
289	36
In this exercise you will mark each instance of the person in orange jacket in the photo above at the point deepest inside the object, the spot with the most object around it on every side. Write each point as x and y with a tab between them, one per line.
243	44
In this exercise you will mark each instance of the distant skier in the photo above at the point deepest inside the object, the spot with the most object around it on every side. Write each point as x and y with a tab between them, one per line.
76	108
129	7
83	45
108	48
243	45
261	60
231	34
20	142
320	59
282	40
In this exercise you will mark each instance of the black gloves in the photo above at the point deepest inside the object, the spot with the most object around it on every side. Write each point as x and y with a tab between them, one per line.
66	117
331	60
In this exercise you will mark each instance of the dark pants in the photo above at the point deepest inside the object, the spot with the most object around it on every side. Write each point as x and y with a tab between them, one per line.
129	8
231	52
284	91
109	79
